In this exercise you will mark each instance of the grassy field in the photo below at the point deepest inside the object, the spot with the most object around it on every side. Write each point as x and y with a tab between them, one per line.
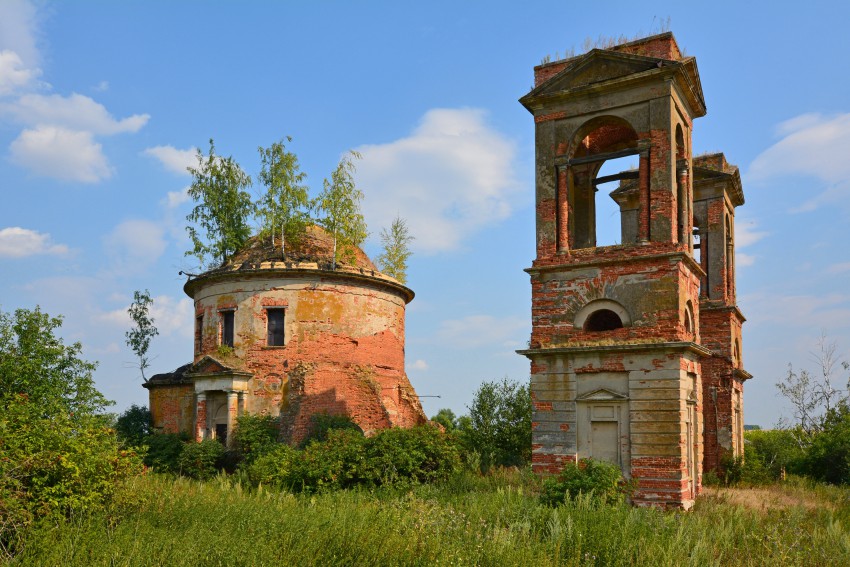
469	520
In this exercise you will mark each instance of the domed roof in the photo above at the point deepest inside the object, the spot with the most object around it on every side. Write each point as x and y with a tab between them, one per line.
312	255
315	245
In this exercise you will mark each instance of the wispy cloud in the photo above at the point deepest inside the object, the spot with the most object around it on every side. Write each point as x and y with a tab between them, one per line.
827	311
173	159
171	316
17	242
479	330
14	75
418	364
76	112
451	177
812	145
746	234
134	245
839	268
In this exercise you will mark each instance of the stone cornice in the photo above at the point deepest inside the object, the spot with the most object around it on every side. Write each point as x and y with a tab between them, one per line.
699	350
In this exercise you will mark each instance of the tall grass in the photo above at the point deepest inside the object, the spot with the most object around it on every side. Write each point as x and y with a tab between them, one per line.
469	520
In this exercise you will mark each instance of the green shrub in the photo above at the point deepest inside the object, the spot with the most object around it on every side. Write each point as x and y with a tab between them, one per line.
134	426
337	462
322	423
277	467
254	436
499	424
163	452
601	480
55	464
777	449
828	457
201	460
403	456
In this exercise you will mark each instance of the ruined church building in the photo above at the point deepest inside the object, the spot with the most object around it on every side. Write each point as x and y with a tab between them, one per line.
635	349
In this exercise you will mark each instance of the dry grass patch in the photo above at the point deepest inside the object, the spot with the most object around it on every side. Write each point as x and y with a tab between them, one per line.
776	497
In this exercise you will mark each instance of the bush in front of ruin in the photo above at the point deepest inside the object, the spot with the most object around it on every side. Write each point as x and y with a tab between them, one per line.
597	479
345	459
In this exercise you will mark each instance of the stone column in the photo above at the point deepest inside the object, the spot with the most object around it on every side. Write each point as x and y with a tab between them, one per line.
687	221
563	206
644	215
200	416
232	413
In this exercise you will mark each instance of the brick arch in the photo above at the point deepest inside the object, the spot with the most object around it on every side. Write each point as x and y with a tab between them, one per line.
597	305
603	134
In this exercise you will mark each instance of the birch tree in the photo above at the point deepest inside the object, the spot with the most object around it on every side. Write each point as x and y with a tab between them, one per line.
284	206
222	208
140	335
396	241
340	204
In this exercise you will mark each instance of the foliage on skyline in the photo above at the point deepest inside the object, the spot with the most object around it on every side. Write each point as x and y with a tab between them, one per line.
139	337
285	204
396	242
222	208
342	217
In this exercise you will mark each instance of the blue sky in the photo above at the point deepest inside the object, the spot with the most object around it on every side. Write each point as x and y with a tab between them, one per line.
102	105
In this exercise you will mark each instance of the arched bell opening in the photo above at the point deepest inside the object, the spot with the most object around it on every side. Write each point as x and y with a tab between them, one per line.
600	139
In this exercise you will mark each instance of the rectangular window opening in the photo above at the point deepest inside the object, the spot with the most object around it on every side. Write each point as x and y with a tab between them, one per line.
227	328
275	327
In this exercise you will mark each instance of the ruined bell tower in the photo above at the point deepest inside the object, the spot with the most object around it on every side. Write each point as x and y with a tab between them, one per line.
617	359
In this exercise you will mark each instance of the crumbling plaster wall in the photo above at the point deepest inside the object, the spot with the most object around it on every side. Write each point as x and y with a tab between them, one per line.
343	352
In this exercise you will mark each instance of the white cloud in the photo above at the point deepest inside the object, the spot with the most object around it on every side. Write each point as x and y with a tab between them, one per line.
744	259
136	244
839	268
812	145
176	198
14	76
17	242
173	159
102	86
63	154
479	330
171	316
58	139
827	311
451	177
746	233
18	30
76	112
418	365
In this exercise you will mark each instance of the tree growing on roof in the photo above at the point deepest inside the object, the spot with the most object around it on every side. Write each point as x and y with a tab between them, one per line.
222	208
396	241
340	202
285	204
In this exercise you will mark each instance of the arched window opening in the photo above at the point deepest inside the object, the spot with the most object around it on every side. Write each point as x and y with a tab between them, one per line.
591	219
603	320
690	326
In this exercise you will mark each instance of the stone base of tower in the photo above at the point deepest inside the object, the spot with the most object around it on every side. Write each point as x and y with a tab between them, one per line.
635	405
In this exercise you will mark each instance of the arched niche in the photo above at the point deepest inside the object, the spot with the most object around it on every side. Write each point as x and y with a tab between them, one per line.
599	315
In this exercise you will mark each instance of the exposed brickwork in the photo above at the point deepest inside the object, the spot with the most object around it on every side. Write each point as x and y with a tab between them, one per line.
343	350
630	343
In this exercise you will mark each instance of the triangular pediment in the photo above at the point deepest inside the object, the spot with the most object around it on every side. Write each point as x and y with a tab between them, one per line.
209	365
602	395
598	66
606	68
